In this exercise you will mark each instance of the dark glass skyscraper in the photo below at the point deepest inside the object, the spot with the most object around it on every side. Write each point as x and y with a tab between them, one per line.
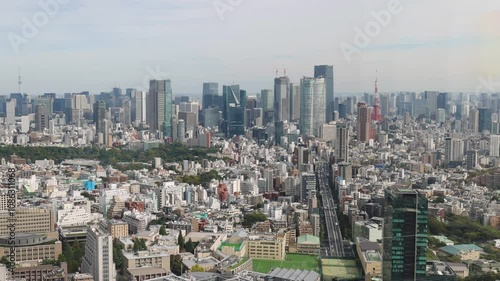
484	119
210	94
233	110
327	72
405	235
159	106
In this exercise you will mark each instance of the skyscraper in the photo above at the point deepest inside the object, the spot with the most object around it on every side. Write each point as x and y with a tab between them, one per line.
342	143
319	104
210	94
98	258
281	99
294	101
41	117
484	119
364	122
454	151
99	116
327	72
306	106
160	106
266	99
312	105
405	235
233	111
139	102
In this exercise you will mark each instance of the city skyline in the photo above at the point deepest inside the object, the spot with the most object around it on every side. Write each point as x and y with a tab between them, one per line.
459	50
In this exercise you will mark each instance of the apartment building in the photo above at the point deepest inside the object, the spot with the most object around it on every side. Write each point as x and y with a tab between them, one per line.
29	220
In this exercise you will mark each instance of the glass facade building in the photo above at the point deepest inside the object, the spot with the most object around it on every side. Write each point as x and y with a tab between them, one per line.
160	106
405	235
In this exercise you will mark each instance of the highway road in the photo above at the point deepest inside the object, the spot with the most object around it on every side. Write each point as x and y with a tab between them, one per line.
333	245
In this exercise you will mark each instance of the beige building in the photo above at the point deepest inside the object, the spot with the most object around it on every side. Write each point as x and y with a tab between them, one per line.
146	264
370	257
32	247
266	247
42	273
464	251
118	229
29	220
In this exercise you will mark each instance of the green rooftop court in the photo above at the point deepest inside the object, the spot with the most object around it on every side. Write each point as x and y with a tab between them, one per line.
340	268
292	261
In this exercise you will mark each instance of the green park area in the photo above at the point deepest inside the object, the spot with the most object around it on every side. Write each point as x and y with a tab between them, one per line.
293	261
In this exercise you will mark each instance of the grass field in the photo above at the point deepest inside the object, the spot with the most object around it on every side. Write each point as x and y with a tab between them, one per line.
294	261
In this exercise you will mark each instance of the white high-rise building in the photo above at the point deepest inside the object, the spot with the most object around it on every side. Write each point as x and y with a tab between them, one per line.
312	105
139	107
495	145
319	104
454	150
98	258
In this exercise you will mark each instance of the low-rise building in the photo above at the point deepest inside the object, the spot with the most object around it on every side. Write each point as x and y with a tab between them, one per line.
463	251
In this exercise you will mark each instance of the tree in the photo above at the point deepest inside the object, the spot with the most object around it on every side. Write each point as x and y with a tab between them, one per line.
197	268
180	241
176	265
190	246
4	260
439	199
163	230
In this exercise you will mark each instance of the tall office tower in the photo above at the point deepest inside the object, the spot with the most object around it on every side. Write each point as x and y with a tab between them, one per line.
405	235
3	105
312	105
319	104
327	72
266	99
233	111
384	105
471	159
181	130
376	106
139	102
454	151
212	117
364	122
440	116
484	99
98	258
442	100
48	102
495	145
342	143
41	117
99	116
431	98
160	106
210	93
306	105
281	98
126	120
294	101
474	120
10	111
79	106
484	120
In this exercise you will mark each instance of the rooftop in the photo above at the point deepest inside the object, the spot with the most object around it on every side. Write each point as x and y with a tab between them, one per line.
457	249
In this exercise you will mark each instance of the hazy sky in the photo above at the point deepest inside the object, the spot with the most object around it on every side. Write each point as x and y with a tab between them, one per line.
93	45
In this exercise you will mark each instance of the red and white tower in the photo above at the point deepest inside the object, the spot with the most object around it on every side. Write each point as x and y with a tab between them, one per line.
376	106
